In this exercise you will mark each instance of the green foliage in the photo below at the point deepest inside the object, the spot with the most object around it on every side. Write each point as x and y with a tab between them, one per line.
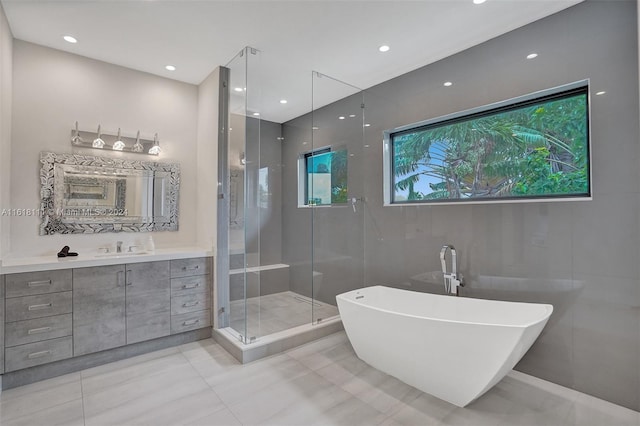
532	151
339	176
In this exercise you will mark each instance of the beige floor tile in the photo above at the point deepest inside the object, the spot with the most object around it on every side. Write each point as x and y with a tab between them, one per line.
351	412
184	410
130	372
424	410
380	390
29	399
222	417
67	414
304	392
243	383
131	399
591	411
319	354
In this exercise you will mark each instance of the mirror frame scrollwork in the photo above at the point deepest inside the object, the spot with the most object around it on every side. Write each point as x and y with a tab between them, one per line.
52	223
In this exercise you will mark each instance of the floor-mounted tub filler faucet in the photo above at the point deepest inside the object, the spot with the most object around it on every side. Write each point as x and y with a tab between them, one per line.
451	281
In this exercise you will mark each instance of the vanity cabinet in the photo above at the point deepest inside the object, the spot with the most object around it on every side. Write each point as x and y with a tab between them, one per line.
119	305
148	301
190	294
99	308
53	315
38	317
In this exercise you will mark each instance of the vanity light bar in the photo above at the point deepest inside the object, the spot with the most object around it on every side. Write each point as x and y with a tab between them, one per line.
114	142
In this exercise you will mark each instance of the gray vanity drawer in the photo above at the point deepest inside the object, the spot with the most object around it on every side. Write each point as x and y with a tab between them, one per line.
190	321
44	305
32	354
30	283
190	267
188	285
36	330
190	303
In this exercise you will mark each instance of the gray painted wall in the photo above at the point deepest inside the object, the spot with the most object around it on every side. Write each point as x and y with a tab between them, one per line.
6	91
259	218
580	256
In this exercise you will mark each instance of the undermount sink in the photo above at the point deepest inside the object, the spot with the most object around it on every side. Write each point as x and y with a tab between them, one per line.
122	254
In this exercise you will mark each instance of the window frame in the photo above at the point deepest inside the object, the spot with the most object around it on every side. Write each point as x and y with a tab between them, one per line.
506	105
303	175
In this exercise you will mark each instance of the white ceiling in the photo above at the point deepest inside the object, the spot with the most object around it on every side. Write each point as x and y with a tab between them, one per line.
337	38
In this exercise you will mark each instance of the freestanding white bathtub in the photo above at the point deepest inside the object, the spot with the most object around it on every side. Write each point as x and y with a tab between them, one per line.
455	348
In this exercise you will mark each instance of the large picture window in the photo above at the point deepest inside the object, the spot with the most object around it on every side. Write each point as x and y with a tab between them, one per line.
324	177
533	148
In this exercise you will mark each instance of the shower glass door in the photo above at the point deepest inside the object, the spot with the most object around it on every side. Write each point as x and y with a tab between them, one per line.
333	170
243	163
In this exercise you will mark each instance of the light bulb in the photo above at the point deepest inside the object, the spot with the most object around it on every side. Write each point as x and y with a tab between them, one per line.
98	142
118	145
155	149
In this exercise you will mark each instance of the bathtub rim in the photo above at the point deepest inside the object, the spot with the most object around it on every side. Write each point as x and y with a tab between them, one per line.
548	308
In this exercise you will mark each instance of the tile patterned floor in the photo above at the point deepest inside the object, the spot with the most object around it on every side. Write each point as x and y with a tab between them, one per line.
277	312
321	383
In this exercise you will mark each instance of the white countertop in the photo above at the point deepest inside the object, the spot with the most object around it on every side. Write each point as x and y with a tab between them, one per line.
46	263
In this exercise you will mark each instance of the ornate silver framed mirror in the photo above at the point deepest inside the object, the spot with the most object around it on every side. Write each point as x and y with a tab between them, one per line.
87	194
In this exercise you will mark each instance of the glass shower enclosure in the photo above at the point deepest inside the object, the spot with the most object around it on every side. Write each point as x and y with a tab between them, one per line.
290	204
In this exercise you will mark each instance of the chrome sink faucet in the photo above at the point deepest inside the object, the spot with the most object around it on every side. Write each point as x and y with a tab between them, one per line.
451	281
118	246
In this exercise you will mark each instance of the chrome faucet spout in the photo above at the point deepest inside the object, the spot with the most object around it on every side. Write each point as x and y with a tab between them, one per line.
451	281
119	246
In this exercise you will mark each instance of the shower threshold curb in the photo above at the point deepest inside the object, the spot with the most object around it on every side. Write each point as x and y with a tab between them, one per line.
274	343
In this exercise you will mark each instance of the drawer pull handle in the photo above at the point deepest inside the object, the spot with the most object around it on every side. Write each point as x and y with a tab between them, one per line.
38	330
190	304
191	285
38	283
39	307
39	354
194	268
191	322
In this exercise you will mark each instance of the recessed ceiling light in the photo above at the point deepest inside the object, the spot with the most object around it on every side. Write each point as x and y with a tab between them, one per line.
352	115
478	1
239	89
366	146
70	39
315	128
448	83
384	48
601	93
170	68
256	114
532	55
341	117
283	101
367	125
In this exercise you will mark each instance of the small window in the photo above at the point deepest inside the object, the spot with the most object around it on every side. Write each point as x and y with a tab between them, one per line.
322	177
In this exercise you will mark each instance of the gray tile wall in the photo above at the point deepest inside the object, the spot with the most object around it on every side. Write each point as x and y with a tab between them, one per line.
1	327
583	257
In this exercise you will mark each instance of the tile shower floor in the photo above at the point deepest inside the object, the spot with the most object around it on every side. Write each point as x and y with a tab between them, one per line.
321	383
277	312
